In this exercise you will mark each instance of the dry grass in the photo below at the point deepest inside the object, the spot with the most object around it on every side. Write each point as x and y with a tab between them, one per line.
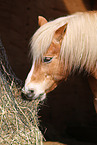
18	117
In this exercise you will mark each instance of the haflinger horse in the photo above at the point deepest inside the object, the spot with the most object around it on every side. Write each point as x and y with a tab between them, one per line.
60	47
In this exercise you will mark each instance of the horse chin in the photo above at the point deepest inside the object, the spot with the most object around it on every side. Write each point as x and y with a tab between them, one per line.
41	96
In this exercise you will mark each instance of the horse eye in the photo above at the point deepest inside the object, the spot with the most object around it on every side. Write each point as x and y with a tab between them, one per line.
47	59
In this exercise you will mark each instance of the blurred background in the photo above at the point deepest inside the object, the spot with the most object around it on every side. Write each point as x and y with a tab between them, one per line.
68	111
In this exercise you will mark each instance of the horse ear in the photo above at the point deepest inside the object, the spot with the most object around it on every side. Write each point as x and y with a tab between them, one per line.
59	34
41	21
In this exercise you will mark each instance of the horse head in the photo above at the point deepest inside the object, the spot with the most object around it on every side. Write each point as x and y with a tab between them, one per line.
48	70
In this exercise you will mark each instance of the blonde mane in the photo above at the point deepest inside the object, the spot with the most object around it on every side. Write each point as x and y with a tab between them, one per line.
79	45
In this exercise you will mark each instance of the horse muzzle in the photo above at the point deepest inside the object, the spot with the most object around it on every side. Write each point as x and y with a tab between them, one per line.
30	94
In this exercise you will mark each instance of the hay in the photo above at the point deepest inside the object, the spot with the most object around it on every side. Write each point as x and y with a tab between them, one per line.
18	117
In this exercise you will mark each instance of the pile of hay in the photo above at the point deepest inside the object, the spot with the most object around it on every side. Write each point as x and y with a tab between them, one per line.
18	117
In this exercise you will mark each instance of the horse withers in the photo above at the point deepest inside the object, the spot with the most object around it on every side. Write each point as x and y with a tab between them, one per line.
59	47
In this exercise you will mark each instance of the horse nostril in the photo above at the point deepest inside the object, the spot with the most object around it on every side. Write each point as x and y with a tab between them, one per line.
31	91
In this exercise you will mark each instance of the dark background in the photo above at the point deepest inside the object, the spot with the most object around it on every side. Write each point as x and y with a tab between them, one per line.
68	112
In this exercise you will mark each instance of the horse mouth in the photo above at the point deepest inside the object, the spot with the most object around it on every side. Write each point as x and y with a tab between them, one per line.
27	96
32	96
